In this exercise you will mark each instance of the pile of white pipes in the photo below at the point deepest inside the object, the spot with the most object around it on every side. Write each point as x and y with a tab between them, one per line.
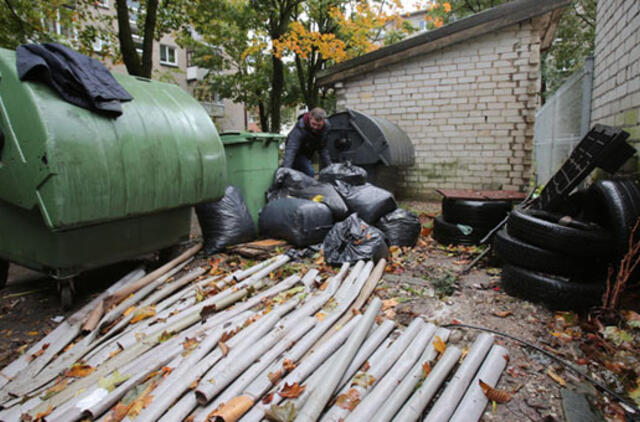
177	345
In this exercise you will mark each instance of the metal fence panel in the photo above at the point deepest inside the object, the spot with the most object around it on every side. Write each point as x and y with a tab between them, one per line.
562	122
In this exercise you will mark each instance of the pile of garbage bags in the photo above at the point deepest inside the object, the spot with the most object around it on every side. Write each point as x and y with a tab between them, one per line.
350	218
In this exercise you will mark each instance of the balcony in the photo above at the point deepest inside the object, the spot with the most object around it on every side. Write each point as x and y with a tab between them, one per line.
213	109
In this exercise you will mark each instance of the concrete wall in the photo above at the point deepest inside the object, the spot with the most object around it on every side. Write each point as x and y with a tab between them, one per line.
616	83
469	110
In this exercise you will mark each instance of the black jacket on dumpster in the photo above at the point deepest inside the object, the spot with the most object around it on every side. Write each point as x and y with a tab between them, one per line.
302	140
79	79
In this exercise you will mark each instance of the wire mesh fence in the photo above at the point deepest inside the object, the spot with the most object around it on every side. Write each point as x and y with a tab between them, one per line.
562	122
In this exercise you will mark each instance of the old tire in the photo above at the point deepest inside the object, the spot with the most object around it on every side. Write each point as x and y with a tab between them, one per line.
555	292
615	205
542	229
4	272
475	213
516	252
450	234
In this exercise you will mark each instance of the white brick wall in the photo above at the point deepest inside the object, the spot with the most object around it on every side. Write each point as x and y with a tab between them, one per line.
469	110
616	82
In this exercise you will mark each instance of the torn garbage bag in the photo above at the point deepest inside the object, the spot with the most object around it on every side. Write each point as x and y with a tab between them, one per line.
225	222
298	221
289	182
344	172
352	240
369	201
401	227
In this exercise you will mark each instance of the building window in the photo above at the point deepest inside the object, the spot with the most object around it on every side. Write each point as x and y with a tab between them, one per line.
56	27
99	44
137	41
102	3
168	55
423	25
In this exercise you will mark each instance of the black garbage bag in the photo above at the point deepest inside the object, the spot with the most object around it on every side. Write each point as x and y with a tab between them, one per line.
344	172
298	221
225	222
352	240
289	182
401	227
369	201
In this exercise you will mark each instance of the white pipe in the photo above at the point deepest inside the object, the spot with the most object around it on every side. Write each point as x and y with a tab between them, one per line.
474	401
416	404
450	397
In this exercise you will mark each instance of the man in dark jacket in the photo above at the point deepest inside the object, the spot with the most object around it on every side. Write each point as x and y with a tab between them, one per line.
308	136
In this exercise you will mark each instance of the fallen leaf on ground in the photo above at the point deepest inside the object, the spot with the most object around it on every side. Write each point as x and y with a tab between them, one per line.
268	398
348	400
502	314
40	416
55	389
129	310
144	313
365	366
363	379
390	313
633	318
33	333
557	378
320	316
292	391
41	351
426	369
439	345
224	348
110	383
80	370
189	343
286	412
389	303
288	365
274	377
115	352
493	394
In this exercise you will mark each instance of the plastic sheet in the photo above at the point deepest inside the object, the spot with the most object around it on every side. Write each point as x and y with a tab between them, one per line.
225	222
298	221
352	240
344	172
292	183
369	201
401	227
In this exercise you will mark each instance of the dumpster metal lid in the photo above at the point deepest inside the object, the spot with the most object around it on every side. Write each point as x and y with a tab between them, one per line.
238	137
364	139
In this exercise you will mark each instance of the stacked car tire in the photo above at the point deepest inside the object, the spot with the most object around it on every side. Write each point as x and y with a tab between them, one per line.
561	260
467	222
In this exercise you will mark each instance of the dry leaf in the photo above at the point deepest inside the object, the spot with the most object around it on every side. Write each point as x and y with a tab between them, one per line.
33	333
115	352
268	398
274	377
140	404
207	310
119	412
364	380
389	303
189	343
426	369
502	314
79	370
390	313
41	351
55	389
493	394
348	400
194	384
355	311
40	416
292	391
506	357
223	347
144	313
190	418
439	345
166	335
365	366
288	365
320	316
129	310
557	378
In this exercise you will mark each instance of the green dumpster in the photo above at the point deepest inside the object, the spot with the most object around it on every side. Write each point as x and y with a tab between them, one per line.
252	159
80	190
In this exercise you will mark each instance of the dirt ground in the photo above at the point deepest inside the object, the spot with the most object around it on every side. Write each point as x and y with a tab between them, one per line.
424	281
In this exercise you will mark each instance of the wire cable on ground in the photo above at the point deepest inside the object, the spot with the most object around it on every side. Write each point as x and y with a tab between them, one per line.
632	408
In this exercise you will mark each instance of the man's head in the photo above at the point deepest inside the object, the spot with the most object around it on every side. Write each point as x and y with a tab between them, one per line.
316	119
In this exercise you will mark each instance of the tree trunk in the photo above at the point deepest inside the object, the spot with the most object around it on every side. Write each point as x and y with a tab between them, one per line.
127	47
277	87
147	42
264	118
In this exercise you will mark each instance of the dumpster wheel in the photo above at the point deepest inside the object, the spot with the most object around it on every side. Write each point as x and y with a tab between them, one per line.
66	289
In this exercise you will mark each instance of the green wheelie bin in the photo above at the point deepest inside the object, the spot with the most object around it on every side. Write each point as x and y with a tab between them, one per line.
252	159
79	190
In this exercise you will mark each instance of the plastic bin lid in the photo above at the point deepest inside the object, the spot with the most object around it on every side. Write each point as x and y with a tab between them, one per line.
244	136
